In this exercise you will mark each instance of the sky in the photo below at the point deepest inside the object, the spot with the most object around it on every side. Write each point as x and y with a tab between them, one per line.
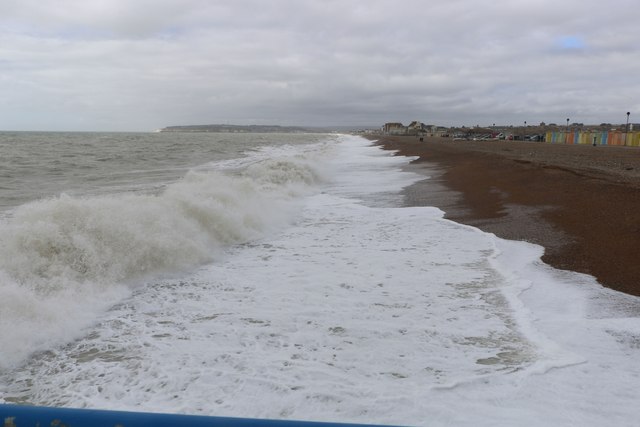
140	65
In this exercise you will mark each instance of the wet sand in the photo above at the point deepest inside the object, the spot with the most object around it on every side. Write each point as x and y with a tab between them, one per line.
581	203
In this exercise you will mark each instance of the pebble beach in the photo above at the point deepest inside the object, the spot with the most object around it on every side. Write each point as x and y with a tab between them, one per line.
580	202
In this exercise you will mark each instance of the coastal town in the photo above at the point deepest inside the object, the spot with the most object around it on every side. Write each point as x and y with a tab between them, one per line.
569	133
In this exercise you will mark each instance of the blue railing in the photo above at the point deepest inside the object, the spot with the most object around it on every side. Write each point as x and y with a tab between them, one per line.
32	416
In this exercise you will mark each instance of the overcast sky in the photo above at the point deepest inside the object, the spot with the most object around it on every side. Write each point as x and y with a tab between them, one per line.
145	64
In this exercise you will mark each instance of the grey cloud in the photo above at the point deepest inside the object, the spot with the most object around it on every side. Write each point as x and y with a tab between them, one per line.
146	64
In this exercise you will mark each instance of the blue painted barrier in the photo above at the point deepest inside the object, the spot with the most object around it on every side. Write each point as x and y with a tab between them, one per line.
32	416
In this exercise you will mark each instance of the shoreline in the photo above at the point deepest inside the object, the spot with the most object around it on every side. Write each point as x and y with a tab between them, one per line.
581	203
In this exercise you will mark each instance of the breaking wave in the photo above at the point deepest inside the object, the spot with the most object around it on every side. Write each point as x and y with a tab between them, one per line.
64	259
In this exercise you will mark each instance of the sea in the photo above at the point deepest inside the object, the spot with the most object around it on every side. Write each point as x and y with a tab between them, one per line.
283	276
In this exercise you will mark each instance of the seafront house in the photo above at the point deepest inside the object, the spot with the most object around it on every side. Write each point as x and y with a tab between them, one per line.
416	128
394	129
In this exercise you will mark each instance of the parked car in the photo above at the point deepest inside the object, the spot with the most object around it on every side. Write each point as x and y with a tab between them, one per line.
460	136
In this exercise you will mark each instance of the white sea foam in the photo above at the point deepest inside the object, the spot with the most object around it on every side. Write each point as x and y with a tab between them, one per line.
361	313
63	258
370	174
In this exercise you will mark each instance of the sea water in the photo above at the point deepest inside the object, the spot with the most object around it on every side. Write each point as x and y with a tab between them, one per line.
279	276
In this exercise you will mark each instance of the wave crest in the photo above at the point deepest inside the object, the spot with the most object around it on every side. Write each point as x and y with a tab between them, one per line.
65	258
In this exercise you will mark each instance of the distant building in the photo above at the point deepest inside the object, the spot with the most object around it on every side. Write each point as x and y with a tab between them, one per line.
416	127
433	130
394	129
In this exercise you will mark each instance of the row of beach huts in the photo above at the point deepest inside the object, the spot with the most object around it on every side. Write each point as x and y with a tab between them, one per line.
617	137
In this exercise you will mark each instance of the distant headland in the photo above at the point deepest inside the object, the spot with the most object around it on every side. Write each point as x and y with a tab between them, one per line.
266	129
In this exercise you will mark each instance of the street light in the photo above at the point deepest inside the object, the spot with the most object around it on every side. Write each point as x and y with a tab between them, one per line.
566	137
626	129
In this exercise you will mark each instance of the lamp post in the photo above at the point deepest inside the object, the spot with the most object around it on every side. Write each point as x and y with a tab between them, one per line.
524	131
566	137
626	129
